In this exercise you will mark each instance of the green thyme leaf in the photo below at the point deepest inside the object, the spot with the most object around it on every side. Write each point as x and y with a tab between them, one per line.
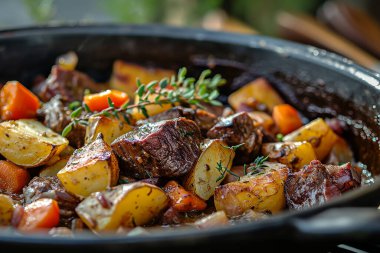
67	129
86	108
74	105
110	103
144	112
151	85
141	90
164	83
76	113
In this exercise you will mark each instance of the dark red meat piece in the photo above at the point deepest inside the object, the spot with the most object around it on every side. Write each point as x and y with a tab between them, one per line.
167	148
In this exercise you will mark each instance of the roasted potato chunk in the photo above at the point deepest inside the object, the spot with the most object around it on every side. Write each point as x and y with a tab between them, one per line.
152	109
111	128
53	169
318	133
91	168
126	205
262	192
259	90
203	178
293	154
28	143
125	75
6	210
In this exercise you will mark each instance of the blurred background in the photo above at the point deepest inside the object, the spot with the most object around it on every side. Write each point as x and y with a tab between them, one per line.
350	28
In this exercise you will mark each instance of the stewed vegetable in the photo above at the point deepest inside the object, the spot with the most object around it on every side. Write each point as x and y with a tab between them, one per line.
159	152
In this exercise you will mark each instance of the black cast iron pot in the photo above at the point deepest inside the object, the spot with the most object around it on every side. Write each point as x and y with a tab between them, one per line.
317	82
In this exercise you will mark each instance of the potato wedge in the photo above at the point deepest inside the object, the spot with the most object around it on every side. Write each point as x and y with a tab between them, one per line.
318	133
6	210
28	143
126	205
91	168
260	192
125	75
293	154
151	109
259	90
111	128
53	169
203	178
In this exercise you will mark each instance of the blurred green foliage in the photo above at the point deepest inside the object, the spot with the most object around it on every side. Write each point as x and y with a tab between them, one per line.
131	11
258	13
262	14
40	10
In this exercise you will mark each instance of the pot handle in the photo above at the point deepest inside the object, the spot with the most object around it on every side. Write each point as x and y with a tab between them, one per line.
348	224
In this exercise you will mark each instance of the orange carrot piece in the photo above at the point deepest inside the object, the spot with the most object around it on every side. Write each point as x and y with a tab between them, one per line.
183	200
17	102
286	118
99	101
42	213
12	177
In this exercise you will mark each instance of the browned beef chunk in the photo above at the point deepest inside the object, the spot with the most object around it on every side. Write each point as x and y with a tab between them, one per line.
173	217
51	187
237	129
70	84
316	183
56	116
167	148
344	177
205	120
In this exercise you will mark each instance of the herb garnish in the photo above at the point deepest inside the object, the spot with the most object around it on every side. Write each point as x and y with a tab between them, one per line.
177	89
257	167
235	147
223	170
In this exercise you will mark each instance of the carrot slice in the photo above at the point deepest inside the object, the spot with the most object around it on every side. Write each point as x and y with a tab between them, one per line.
43	213
99	101
12	177
17	102
286	118
183	200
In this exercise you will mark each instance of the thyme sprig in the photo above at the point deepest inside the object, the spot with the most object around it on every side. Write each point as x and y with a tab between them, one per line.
258	166
223	170
177	89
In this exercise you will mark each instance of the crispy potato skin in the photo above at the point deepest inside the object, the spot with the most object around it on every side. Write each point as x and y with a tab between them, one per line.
293	154
318	134
110	128
259	90
91	168
28	143
126	205
262	193
202	179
